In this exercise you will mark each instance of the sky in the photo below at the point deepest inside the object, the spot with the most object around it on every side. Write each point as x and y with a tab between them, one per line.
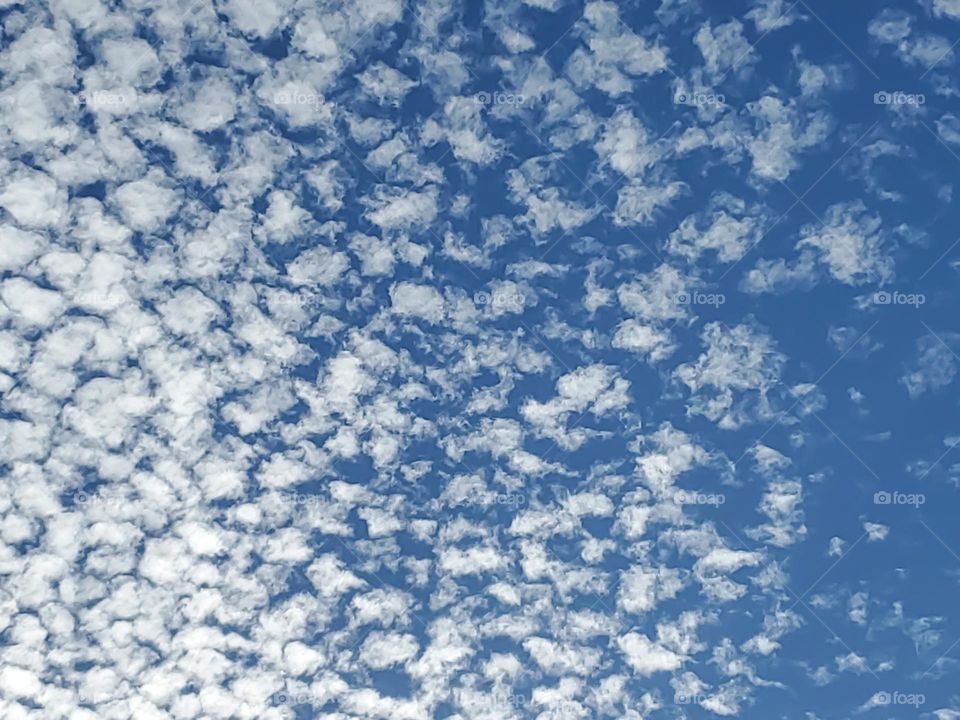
479	360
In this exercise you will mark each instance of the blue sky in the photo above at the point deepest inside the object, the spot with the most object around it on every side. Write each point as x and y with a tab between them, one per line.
520	359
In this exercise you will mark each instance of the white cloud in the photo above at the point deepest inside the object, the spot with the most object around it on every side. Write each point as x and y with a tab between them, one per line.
422	301
785	132
738	361
724	48
644	339
316	376
895	27
34	199
385	84
641	589
769	15
383	650
934	367
850	244
29	303
647	657
400	210
615	54
146	203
